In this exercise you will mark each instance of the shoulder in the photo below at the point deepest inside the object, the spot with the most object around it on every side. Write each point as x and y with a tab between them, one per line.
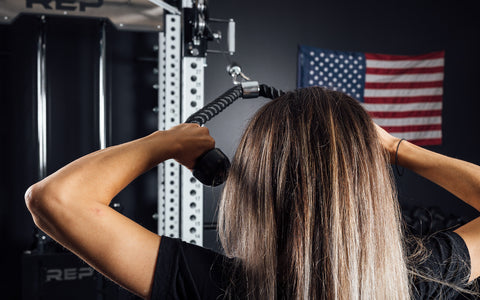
440	264
186	271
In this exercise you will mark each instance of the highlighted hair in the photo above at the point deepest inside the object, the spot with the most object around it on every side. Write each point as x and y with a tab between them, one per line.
309	209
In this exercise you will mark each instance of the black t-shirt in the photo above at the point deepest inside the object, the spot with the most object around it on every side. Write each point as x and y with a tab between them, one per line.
449	261
186	271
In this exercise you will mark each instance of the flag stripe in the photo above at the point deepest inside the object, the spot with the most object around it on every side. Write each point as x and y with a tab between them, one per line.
403	64
404	78
402	92
405	71
404	99
418	135
426	142
410	121
392	129
403	85
405	114
394	107
431	55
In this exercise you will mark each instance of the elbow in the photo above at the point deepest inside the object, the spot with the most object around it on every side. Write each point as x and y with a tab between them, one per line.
41	202
33	199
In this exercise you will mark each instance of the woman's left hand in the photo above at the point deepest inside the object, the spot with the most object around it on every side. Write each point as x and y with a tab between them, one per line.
388	141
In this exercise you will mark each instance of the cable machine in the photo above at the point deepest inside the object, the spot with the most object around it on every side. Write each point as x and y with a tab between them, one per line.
184	31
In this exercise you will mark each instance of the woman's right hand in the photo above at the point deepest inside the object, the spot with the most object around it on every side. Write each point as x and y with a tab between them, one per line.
191	142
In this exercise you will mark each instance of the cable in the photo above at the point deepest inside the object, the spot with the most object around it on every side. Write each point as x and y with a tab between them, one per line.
216	106
212	109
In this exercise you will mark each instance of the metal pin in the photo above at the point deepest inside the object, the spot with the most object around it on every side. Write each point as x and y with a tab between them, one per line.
42	101
102	122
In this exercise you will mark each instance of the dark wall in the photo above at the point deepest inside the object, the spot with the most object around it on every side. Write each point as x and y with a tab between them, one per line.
72	63
268	33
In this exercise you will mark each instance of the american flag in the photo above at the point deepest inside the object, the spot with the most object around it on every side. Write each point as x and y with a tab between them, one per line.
402	93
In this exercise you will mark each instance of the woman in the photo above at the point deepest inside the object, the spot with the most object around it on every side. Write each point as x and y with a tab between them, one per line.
309	211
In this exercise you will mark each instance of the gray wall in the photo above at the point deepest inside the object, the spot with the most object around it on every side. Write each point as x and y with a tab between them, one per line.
268	33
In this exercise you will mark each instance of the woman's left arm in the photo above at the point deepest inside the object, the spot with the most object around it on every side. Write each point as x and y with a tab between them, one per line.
459	177
71	205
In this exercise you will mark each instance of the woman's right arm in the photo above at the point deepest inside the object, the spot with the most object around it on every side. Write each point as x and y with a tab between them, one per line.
459	177
72	204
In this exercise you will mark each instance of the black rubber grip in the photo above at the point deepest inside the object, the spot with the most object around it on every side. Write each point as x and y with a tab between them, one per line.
270	92
212	167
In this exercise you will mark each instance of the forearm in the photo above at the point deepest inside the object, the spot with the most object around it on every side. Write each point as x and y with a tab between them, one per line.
99	176
458	177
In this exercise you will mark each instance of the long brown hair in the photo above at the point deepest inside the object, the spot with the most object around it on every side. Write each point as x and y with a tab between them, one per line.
309	210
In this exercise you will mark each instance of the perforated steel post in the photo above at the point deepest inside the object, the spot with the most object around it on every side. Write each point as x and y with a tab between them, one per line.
161	126
173	59
192	189
181	89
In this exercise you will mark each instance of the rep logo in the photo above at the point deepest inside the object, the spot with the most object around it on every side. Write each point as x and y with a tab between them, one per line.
64	4
68	274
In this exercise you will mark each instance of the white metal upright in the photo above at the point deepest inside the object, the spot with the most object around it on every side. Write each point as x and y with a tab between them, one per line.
170	91
192	189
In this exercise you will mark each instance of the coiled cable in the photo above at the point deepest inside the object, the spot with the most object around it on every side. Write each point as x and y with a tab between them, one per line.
223	101
212	109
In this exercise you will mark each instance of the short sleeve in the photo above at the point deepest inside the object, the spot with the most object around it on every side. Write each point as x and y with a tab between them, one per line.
447	261
185	271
